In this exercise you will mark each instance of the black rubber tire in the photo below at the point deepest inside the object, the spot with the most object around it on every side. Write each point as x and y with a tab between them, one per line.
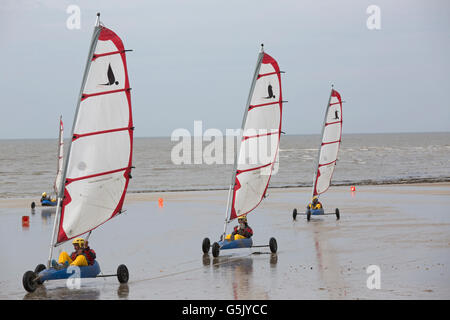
215	249
28	281
122	273
294	214
37	270
338	215
308	215
273	245
33	205
206	244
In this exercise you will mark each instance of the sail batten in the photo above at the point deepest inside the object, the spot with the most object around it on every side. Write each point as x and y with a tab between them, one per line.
99	160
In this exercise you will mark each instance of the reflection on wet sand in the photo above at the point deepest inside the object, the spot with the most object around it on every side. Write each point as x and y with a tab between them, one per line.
63	293
123	291
238	271
46	215
329	269
66	293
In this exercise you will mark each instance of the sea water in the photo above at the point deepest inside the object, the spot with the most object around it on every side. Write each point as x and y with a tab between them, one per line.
28	167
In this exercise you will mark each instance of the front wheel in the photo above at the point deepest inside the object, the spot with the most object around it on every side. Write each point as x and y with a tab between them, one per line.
33	205
122	273
308	215
215	249
28	281
273	245
206	245
338	215
294	214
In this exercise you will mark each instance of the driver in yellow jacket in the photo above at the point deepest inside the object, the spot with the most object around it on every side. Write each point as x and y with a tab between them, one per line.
315	204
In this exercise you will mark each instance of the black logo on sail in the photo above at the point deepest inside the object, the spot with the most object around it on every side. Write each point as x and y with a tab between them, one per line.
336	115
111	77
270	92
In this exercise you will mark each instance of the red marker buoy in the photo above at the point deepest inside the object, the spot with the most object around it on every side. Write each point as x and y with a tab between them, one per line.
352	189
160	202
25	221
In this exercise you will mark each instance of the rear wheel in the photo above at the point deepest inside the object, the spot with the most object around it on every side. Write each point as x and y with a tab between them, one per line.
215	249
28	281
33	205
294	214
206	245
338	215
273	245
122	273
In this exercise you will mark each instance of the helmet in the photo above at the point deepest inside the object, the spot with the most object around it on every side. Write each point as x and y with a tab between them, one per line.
315	199
44	194
79	241
243	217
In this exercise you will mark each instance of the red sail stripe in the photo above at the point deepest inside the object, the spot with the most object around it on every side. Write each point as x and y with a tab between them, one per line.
95	56
259	135
262	105
252	169
332	104
325	164
329	123
76	136
69	180
268	74
85	95
324	143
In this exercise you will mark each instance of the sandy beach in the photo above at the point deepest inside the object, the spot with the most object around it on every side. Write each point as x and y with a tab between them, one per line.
404	230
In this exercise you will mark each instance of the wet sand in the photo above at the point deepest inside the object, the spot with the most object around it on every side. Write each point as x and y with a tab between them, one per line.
403	229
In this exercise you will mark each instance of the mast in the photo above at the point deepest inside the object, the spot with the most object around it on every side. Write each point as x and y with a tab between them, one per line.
233	176
59	157
94	40
320	147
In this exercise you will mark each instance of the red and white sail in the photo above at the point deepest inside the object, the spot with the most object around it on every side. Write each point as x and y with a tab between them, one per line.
261	130
59	165
331	140
100	155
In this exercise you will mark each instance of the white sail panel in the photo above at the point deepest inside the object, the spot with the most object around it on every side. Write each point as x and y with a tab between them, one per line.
103	112
99	195
260	139
99	160
331	140
99	153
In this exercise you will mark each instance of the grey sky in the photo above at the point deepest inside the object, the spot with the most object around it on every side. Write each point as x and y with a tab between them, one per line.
193	60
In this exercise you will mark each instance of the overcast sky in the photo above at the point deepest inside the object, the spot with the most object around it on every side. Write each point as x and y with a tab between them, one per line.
194	60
